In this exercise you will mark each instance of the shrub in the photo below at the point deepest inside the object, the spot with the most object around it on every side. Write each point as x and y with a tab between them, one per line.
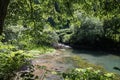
66	38
87	74
64	35
89	31
10	63
11	60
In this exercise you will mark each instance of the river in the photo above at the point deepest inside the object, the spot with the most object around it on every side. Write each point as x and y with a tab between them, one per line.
107	60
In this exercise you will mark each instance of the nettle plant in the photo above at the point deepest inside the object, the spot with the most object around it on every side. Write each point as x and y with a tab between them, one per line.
87	74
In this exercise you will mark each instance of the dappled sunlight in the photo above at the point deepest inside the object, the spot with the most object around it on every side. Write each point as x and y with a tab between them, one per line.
59	40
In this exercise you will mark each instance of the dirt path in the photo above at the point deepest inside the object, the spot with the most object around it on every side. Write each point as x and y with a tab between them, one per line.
54	62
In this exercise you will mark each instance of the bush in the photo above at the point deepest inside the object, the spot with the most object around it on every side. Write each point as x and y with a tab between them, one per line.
64	35
87	74
66	38
46	38
89	31
94	33
18	36
11	61
112	28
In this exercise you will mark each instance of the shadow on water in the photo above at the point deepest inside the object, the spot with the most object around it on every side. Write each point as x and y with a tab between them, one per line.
95	53
89	52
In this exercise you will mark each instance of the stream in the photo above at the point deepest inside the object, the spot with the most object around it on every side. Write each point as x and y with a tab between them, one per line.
60	61
108	61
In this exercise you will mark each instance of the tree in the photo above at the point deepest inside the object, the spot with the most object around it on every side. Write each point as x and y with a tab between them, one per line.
3	11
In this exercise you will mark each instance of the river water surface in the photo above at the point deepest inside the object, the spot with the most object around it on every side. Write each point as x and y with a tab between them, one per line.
108	61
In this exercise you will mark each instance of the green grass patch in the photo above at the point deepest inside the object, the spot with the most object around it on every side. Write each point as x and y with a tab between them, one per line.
41	50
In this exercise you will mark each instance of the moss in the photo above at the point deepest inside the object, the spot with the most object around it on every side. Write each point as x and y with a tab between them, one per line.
80	63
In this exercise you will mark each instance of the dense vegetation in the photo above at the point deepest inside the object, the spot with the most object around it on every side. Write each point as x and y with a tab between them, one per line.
29	24
87	74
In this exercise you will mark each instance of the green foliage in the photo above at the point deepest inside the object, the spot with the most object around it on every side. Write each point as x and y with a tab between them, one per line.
64	35
11	61
18	36
32	23
37	50
35	18
112	28
87	74
90	30
36	15
93	33
46	37
66	38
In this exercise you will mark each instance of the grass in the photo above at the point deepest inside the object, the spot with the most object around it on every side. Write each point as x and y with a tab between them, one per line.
38	50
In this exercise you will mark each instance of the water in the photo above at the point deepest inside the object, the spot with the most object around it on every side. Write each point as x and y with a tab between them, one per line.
108	61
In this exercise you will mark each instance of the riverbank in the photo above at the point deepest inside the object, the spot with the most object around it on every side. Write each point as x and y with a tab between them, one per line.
60	61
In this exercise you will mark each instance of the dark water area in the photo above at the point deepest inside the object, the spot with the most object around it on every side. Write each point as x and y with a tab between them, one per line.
112	50
107	60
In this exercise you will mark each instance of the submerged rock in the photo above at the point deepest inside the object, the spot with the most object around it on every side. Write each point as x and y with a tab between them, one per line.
116	68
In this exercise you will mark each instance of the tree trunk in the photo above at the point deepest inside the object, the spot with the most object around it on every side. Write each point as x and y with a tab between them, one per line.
3	11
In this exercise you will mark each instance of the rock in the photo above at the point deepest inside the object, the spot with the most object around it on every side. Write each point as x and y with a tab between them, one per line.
116	68
60	46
